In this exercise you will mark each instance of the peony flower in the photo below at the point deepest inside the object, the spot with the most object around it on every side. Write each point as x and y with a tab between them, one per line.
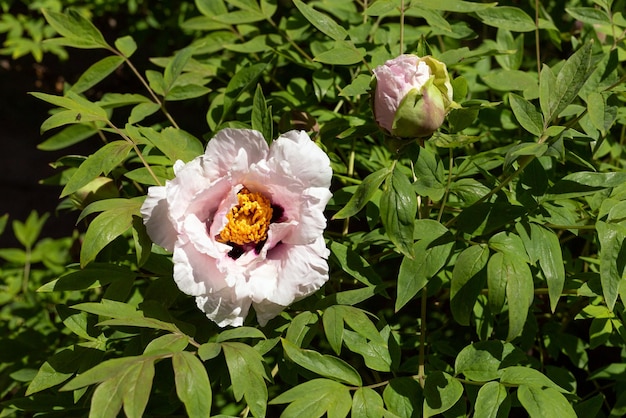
413	95
244	222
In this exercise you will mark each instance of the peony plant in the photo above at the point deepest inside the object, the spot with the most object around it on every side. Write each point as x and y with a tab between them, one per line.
244	222
413	95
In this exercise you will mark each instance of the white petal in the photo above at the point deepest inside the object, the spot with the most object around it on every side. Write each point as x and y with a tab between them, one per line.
290	273
233	150
224	308
195	273
306	161
181	190
155	215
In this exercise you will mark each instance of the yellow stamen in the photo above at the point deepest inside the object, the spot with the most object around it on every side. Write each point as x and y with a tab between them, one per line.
249	221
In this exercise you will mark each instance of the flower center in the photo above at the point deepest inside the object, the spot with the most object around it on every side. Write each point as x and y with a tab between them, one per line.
249	221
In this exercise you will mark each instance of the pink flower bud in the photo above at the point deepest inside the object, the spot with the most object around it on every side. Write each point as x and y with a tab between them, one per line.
413	95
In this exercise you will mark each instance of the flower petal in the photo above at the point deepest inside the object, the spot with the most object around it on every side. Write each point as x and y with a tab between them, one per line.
295	154
155	216
233	151
224	308
195	273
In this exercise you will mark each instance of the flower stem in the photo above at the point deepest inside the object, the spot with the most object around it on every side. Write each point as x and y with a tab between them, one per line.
421	375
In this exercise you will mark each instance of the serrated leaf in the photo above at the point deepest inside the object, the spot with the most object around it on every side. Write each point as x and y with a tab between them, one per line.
468	279
321	21
324	365
398	208
363	194
247	373
314	398
192	384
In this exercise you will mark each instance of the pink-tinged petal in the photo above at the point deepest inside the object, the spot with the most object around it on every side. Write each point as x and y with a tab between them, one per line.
155	216
311	220
196	273
224	308
289	273
233	151
295	154
181	189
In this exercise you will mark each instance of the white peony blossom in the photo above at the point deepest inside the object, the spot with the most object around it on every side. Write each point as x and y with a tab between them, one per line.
244	222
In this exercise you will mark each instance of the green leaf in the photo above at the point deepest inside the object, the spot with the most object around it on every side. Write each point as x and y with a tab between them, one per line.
498	269
355	265
261	115
315	398
192	384
175	67
333	327
360	85
589	15
520	375
170	343
96	73
363	194
175	143
321	21
482	361
126	45
612	260
526	114
544	402
28	232
547	86
519	293
468	279
94	275
300	327
457	6
492	401
105	228
583	183
398	208
550	260
341	54
510	80
68	136
73	26
366	403
403	397
247	373
242	81
142	111
102	161
106	370
441	392
137	384
507	17
107	400
239	332
324	365
568	83
430	253
60	367
208	351
429	175
596	109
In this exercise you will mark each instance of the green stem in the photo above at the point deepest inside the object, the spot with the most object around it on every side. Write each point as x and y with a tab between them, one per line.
421	375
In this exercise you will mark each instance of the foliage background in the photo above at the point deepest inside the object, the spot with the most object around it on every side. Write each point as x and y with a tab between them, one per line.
479	275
